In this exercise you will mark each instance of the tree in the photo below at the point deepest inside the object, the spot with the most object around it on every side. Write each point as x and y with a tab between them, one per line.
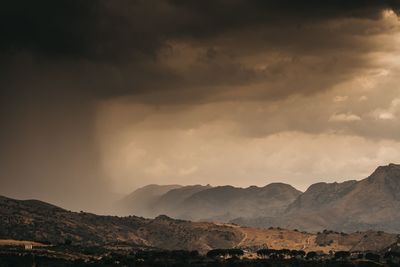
311	255
214	253
372	257
234	252
262	252
282	253
297	253
342	255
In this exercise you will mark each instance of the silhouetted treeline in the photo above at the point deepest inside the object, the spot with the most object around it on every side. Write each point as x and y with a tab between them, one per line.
182	258
280	253
28	261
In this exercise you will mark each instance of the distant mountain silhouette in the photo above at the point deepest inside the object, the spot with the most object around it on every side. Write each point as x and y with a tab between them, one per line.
173	200
225	203
221	203
141	201
371	203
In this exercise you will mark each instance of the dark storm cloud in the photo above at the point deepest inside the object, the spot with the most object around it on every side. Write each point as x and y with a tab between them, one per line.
106	30
53	28
58	58
124	37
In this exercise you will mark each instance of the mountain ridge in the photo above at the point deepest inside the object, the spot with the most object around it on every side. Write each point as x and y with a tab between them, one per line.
220	203
369	203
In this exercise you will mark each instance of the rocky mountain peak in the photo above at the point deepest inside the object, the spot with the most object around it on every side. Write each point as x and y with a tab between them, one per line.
389	172
387	180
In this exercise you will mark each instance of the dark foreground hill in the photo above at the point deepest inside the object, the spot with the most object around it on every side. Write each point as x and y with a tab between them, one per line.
41	222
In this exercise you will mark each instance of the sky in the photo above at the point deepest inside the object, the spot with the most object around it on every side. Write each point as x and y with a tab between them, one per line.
101	97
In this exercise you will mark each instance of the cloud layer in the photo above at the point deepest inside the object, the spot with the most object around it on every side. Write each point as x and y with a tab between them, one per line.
98	94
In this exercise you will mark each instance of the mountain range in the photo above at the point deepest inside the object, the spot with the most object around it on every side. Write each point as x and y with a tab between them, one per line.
371	203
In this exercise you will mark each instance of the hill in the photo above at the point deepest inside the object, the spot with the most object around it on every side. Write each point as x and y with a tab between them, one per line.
41	222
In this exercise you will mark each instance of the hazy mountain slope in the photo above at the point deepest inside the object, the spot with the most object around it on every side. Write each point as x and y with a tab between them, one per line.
372	203
141	201
321	196
170	202
314	209
375	201
222	203
226	202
